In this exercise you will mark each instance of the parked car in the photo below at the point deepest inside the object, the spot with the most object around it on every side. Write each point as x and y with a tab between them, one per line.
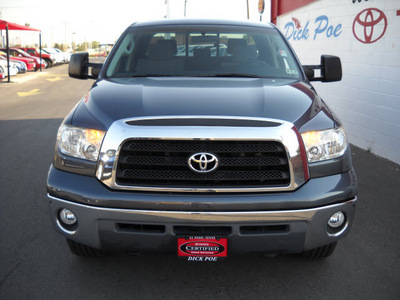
220	153
50	59
22	68
2	74
22	53
13	67
66	56
59	58
30	62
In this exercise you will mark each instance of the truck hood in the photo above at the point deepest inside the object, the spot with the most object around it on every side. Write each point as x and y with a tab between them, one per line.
123	98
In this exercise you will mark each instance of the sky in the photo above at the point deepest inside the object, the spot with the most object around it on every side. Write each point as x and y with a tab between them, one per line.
104	21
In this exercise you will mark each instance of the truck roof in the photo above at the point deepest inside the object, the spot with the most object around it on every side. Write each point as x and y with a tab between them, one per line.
167	22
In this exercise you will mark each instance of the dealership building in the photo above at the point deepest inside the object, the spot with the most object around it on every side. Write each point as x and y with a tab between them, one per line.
365	34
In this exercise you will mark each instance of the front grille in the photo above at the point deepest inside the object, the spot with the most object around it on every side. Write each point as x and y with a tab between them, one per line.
164	163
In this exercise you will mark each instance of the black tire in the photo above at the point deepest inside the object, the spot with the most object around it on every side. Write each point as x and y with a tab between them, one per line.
83	250
49	64
321	252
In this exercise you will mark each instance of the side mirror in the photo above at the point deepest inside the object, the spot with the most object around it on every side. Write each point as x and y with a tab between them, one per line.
330	68
79	67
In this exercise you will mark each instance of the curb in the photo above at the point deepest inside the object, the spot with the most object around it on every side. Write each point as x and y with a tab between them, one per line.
23	78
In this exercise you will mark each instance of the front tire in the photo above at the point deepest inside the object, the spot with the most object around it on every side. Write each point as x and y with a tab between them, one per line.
320	252
48	62
83	250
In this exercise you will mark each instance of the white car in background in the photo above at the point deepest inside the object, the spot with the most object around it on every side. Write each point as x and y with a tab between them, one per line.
13	67
59	58
21	66
2	76
67	56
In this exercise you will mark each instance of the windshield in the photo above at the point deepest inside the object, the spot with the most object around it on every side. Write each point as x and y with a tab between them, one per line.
197	51
23	53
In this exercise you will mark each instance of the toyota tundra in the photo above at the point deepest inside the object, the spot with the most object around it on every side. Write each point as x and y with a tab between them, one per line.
206	139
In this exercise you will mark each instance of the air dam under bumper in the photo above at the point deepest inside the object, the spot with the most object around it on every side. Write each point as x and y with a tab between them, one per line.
286	231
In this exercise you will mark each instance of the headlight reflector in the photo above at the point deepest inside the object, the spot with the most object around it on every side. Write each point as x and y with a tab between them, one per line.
325	144
80	142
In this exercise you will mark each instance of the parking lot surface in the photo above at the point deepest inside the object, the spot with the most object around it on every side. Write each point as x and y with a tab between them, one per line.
35	262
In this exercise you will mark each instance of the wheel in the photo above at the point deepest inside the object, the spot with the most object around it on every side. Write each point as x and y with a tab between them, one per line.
48	61
83	250
321	252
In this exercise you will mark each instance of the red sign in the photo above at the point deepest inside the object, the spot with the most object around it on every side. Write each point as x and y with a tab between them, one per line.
261	6
369	25
202	247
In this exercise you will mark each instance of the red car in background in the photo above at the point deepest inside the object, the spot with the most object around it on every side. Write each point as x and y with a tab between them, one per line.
36	52
30	62
22	53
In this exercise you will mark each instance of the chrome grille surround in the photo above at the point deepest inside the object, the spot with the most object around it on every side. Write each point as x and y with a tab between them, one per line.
120	131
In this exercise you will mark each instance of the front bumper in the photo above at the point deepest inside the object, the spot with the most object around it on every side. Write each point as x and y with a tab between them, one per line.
316	192
132	230
31	66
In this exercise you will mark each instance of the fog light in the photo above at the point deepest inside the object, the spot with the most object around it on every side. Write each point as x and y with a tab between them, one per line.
336	220
67	217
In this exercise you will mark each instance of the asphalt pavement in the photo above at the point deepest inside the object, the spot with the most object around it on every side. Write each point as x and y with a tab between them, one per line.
35	262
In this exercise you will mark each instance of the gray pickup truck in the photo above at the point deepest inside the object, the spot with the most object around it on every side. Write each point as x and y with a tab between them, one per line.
205	139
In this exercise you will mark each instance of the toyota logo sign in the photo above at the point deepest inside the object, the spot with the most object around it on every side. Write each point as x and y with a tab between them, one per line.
369	25
203	162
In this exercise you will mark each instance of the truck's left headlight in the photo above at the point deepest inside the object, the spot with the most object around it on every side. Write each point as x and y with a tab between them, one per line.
325	144
80	142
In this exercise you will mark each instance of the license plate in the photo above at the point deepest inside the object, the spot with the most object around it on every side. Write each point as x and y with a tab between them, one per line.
202	248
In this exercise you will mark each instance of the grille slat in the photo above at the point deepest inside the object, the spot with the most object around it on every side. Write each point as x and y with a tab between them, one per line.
182	161
169	146
184	175
164	163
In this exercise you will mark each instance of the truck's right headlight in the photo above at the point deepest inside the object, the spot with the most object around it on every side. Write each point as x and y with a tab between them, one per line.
325	144
80	142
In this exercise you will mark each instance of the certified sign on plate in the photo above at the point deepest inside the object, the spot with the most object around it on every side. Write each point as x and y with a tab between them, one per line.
202	248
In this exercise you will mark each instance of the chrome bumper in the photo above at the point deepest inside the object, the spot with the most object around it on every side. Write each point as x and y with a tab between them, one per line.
306	229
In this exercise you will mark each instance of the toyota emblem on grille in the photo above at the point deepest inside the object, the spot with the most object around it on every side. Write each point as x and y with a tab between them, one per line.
203	162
